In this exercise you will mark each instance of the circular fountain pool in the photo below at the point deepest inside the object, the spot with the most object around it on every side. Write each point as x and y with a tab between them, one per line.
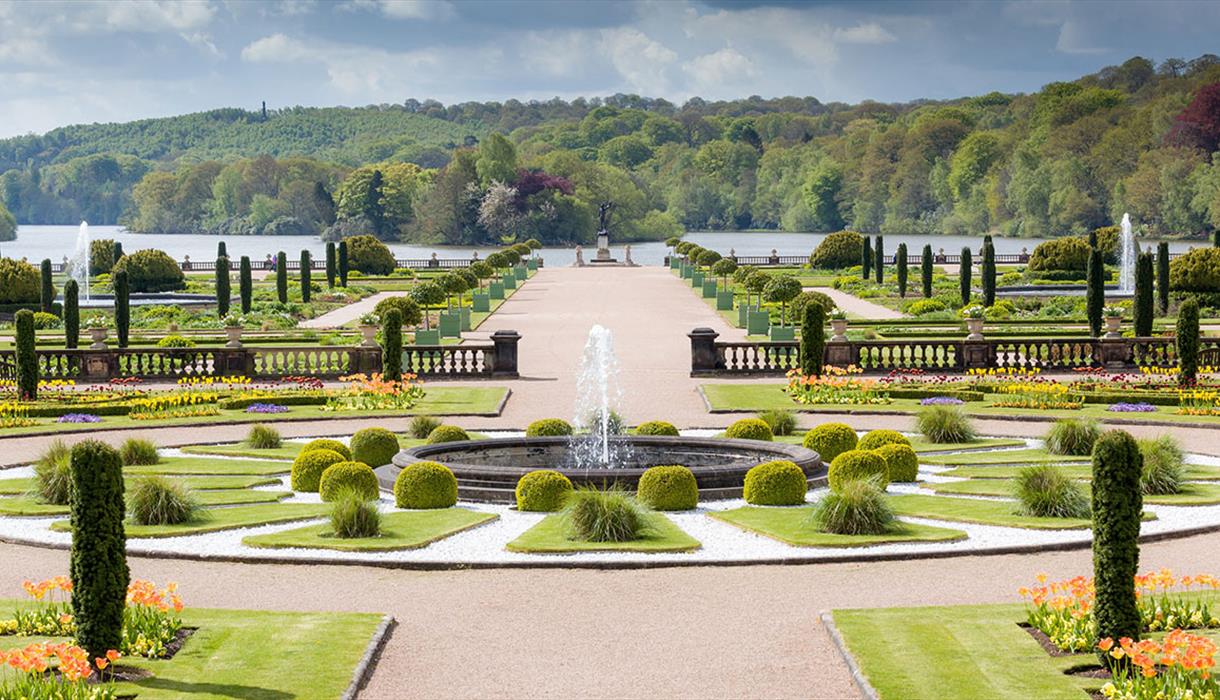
488	470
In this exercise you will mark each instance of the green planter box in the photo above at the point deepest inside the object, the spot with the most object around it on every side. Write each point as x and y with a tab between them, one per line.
510	280
758	322
724	300
450	325
464	315
521	272
674	262
532	265
709	289
481	302
685	270
696	279
495	290
430	337
743	315
783	333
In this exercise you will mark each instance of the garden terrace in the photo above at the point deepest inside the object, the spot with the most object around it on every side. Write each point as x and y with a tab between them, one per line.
318	263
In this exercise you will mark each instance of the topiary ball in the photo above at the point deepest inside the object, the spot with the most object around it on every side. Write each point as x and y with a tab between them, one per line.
548	427
326	444
446	433
543	491
670	487
778	483
374	446
876	438
855	465
749	429
356	477
656	427
425	485
830	440
901	462
307	468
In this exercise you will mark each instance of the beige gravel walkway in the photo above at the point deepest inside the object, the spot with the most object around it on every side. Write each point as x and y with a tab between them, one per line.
855	306
346	314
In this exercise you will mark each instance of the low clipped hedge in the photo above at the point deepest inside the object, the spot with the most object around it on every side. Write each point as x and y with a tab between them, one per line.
855	465
548	427
374	446
876	438
342	477
543	491
425	485
656	428
778	483
749	429
287	400
328	444
830	440
670	487
307	468
901	462
446	433
962	395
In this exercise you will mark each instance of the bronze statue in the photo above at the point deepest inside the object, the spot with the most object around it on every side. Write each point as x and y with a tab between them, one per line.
603	214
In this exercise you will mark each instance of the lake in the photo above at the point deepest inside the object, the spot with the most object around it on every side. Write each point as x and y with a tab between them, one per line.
38	242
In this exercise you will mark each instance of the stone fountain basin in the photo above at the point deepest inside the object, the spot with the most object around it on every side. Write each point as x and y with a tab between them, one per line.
488	470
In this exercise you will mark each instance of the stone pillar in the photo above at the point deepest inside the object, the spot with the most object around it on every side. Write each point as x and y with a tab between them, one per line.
233	362
977	354
703	357
840	353
433	262
504	357
774	259
99	366
1116	353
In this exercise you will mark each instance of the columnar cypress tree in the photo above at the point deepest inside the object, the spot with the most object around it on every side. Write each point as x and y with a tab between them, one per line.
900	260
98	564
1216	238
343	266
122	306
964	271
118	251
331	265
1162	276
1143	295
245	283
47	293
925	271
866	258
221	250
71	314
391	345
813	339
1118	503
1095	292
989	272
281	277
224	287
1187	336
306	264
879	259
26	356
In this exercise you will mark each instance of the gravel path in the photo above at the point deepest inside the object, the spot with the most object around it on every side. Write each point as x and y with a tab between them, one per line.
855	306
346	314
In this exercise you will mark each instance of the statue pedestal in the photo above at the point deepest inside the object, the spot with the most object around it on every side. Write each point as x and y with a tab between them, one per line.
603	250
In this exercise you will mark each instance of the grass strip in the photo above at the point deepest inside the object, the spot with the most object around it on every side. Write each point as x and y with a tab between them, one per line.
27	505
1194	472
22	486
204	465
217	519
399	530
1032	455
1190	495
791	526
550	536
980	512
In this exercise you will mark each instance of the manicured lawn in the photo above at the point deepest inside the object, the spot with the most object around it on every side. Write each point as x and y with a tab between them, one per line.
25	505
974	510
286	450
204	465
25	484
399	530
1032	455
1190	495
216	519
924	446
791	525
1194	472
974	651
551	536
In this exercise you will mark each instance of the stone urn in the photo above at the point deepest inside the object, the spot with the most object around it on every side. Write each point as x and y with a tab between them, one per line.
98	335
234	333
368	334
1112	326
975	328
838	327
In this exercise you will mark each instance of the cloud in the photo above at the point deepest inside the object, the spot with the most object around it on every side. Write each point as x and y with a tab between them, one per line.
724	67
864	33
1073	38
276	48
640	60
406	9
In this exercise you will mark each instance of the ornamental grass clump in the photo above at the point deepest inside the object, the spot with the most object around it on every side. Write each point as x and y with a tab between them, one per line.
610	515
421	426
749	429
1044	491
543	491
945	424
353	516
156	500
1164	466
830	440
780	420
669	487
53	475
263	437
657	428
1073	437
137	452
857	508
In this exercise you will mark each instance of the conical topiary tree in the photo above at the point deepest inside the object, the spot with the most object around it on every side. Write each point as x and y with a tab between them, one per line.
1187	338
245	283
281	277
26	356
46	296
1143	308
391	345
879	259
925	271
224	289
1118	505
71	314
866	257
306	275
1095	291
813	339
964	271
1162	276
343	264
900	264
988	272
122	307
331	265
98	564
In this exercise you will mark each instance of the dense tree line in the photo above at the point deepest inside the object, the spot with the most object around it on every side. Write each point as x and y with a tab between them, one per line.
1067	159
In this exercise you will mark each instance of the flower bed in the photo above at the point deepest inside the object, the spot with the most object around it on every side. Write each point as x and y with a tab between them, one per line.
836	388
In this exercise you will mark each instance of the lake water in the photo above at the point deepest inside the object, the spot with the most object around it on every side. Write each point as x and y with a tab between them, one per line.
55	242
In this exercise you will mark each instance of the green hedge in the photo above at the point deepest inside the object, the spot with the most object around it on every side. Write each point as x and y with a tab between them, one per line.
287	400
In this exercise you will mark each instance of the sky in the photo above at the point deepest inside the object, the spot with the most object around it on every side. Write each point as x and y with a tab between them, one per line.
85	61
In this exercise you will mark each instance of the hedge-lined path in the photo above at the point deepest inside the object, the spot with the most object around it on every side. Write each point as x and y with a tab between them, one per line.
707	632
855	306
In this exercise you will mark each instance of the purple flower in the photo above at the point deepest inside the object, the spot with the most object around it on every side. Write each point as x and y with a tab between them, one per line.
266	408
79	418
941	401
1140	407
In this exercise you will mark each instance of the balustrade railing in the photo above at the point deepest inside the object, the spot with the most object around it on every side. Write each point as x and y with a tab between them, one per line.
294	264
